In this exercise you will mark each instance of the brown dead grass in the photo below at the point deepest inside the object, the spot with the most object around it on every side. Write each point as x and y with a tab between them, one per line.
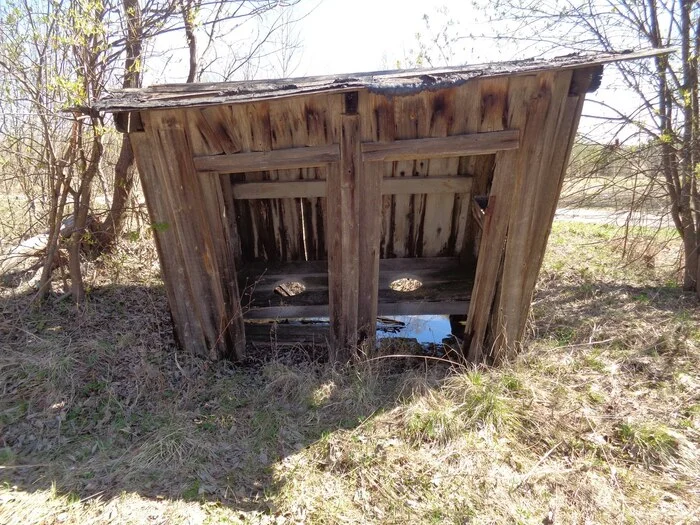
596	421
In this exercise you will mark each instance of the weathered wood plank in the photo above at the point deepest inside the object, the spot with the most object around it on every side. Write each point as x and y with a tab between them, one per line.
318	119
290	158
427	185
370	188
292	269
184	195
533	213
288	130
412	121
246	128
279	190
290	312
394	308
350	177
423	308
317	188
528	101
224	232
487	101
437	225
188	333
454	146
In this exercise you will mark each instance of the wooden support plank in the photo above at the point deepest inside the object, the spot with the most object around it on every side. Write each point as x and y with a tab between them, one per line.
454	146
438	220
289	158
289	312
370	233
528	100
319	113
279	190
405	234
224	232
427	185
423	308
343	194
300	269
476	110
394	308
317	188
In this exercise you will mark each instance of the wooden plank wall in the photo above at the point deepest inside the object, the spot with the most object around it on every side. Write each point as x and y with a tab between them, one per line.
350	217
522	202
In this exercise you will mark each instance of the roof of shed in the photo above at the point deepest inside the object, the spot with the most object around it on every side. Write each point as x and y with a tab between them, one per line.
395	82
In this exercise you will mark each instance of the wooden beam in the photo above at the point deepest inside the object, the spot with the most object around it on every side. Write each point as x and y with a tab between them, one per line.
423	308
394	308
418	185
300	189
288	312
370	236
343	210
290	158
453	146
303	189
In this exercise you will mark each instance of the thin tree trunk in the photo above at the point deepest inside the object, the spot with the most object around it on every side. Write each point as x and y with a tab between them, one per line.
188	19
124	171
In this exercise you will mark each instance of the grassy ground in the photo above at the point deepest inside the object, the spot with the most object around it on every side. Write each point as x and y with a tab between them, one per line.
597	421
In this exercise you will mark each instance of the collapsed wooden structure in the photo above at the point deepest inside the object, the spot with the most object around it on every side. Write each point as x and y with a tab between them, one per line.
346	184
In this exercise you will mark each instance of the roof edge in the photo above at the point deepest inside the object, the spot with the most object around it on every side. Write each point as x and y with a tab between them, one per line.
392	82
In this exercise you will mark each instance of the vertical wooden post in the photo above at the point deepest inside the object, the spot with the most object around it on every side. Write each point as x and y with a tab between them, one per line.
370	231
343	210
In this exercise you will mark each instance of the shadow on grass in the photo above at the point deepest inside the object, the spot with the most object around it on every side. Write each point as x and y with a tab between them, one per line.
100	402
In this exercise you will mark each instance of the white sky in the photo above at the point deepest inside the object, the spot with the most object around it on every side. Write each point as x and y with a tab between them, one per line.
348	36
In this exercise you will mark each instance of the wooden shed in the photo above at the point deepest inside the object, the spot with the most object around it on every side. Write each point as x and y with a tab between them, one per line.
347	183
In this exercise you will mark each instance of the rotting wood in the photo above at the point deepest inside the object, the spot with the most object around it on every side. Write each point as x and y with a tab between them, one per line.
397	308
204	139
343	197
412	185
487	105
162	215
454	146
371	187
439	207
394	170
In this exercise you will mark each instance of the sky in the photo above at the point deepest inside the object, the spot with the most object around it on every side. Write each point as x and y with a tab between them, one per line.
342	36
349	36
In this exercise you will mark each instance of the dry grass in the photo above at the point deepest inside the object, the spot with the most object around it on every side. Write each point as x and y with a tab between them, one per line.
597	420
